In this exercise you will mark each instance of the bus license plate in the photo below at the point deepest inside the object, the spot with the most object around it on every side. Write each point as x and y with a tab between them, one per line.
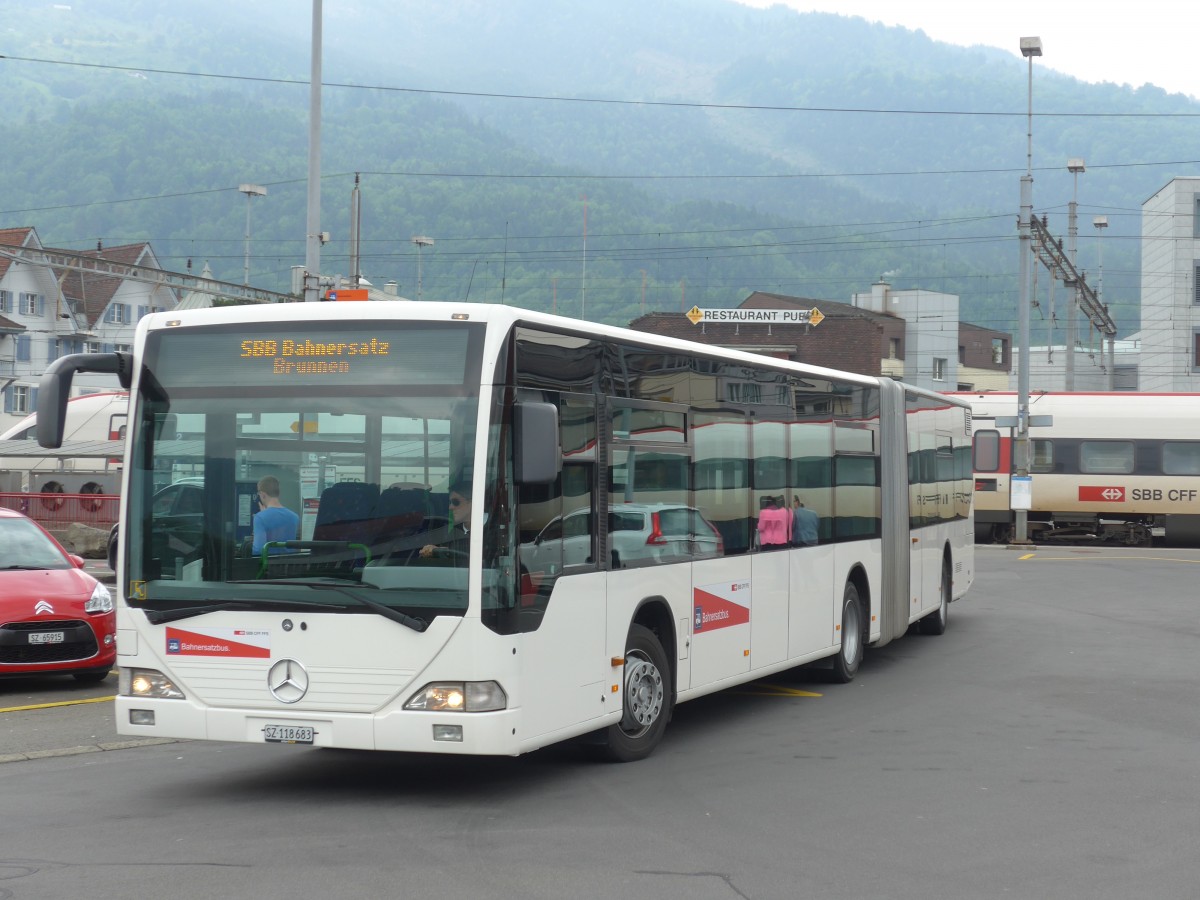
288	734
47	637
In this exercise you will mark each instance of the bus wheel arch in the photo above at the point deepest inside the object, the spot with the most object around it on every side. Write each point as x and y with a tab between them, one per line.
854	628
647	685
936	621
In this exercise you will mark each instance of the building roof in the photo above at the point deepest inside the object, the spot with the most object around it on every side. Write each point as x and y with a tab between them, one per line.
14	237
847	338
93	291
198	298
828	308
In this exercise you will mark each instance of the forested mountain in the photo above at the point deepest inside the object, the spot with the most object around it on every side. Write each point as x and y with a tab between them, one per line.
720	149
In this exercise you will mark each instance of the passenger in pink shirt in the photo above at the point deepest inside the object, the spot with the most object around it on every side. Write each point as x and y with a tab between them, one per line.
774	524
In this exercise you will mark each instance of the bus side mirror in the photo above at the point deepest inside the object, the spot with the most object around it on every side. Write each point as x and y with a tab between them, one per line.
537	458
55	389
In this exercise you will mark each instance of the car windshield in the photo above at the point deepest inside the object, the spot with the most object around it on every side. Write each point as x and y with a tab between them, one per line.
271	464
23	545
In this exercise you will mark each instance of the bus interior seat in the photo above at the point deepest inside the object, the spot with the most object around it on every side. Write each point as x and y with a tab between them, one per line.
346	513
401	511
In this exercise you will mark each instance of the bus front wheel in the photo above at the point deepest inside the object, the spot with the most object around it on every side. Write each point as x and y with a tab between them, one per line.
849	657
646	698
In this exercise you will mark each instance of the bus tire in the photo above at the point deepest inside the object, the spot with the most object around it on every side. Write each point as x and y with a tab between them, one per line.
935	622
849	657
645	699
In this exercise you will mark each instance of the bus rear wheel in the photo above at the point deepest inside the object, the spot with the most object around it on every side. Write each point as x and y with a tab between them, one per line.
849	657
646	699
935	622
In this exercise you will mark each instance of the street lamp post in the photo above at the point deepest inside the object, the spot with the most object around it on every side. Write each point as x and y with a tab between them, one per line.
421	241
1074	166
1100	223
1030	47
251	191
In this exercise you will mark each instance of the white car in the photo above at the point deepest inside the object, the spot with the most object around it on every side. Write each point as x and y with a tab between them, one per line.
638	532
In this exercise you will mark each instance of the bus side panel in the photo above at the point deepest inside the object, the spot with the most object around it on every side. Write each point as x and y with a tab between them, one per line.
723	610
769	631
810	623
569	642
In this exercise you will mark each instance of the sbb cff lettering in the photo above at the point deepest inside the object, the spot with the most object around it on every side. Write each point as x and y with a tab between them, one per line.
1175	495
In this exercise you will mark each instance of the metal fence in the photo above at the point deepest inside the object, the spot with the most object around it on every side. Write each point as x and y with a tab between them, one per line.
60	510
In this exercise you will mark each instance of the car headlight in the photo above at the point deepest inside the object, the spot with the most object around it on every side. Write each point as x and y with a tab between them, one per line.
101	600
147	683
459	696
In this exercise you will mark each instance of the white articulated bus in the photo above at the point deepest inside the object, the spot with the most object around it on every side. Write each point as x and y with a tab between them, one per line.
513	528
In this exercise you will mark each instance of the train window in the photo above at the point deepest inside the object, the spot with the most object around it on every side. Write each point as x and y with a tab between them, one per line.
1106	457
1041	456
987	451
1181	458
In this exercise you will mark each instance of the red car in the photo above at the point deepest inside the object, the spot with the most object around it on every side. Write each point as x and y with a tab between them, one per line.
54	617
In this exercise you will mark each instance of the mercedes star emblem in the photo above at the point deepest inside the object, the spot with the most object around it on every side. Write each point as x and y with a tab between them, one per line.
287	681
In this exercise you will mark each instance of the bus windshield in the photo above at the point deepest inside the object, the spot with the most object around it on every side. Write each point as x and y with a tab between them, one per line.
315	464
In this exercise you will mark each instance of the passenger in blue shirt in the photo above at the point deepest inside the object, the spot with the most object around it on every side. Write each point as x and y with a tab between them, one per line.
274	521
805	523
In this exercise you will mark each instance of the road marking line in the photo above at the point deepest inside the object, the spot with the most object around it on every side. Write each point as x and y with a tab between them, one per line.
1110	558
778	690
60	703
1027	556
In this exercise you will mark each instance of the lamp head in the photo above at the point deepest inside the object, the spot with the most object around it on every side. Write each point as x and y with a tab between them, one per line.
1031	46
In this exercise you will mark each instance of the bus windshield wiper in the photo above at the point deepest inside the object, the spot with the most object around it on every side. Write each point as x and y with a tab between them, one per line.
386	611
160	616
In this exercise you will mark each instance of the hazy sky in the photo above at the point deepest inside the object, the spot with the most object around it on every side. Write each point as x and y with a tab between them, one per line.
1151	41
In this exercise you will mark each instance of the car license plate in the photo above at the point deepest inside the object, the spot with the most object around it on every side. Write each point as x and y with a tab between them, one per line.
47	637
288	734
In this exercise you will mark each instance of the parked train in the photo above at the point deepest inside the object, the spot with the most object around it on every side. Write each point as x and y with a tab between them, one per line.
90	418
1117	467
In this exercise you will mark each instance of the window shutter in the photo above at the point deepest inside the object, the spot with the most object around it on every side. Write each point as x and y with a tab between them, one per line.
41	305
33	392
8	394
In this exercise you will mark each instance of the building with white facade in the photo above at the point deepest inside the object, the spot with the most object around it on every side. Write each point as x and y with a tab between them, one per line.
1170	335
47	312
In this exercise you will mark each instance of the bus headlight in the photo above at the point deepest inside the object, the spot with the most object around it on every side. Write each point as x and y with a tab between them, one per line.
459	696
147	683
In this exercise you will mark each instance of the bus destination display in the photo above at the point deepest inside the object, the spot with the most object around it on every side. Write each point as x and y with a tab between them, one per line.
281	356
310	357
